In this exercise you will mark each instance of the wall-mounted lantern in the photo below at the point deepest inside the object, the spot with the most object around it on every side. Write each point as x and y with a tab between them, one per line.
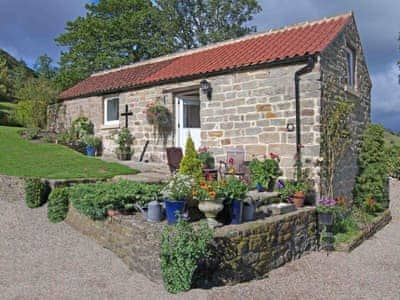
206	88
290	127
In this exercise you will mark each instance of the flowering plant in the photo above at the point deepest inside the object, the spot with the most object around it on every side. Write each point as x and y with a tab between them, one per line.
235	189
157	114
326	205
206	158
179	187
209	190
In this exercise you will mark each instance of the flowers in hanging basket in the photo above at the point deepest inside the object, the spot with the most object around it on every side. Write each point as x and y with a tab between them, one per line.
158	115
326	205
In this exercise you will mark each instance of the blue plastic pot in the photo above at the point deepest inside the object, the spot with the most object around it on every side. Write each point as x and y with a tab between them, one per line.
259	187
174	210
236	212
90	151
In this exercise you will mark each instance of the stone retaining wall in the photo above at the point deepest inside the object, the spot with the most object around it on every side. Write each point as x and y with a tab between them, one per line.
244	252
11	188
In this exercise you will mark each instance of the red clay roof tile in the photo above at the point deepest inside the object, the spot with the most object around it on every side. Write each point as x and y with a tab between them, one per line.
298	40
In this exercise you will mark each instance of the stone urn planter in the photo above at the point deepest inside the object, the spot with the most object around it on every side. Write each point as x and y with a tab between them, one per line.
211	208
298	199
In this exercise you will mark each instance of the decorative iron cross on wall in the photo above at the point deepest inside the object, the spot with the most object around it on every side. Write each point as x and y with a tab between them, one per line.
126	114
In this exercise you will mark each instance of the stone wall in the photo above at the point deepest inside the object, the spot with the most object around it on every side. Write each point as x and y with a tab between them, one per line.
244	252
11	188
250	250
248	110
333	68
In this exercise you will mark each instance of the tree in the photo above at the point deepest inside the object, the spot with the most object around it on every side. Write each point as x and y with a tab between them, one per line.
372	181
191	163
4	80
44	67
34	97
195	23
113	33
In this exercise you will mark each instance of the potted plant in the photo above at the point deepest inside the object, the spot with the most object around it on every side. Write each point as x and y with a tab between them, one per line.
176	193
264	173
325	210
124	140
235	190
300	188
210	197
206	158
92	144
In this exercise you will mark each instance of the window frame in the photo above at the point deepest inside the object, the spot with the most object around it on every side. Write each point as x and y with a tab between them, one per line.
105	116
351	66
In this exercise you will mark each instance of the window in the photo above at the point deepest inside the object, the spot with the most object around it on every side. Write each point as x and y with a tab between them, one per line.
191	115
351	67
111	111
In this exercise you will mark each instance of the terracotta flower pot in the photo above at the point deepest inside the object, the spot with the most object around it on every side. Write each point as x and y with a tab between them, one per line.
298	199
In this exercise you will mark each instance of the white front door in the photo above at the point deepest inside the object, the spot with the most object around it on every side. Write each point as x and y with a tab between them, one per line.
188	121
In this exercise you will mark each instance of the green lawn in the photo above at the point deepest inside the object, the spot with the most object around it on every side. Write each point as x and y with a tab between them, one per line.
19	157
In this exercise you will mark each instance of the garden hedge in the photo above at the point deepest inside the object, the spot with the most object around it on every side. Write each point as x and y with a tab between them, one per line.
57	208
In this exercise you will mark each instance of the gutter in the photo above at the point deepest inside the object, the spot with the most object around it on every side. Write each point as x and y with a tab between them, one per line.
304	70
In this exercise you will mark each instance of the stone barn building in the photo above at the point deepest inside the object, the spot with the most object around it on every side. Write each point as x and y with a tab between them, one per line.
249	93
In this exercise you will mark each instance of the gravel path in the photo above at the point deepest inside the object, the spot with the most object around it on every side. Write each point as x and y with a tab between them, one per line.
39	260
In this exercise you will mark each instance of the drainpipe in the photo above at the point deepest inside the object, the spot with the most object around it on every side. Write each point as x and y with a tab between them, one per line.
306	69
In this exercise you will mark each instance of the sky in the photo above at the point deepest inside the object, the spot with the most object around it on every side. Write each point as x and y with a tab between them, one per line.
28	29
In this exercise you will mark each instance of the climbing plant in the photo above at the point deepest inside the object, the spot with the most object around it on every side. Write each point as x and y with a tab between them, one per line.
336	139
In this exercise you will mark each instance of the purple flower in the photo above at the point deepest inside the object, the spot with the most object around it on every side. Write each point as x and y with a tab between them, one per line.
280	184
326	202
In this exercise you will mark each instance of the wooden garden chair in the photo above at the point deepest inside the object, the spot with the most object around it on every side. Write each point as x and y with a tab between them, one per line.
174	158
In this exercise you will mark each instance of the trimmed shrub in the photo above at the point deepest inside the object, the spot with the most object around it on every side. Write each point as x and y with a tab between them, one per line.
191	164
182	248
36	192
57	207
93	199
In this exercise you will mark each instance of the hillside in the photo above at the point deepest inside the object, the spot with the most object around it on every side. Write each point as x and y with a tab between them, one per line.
391	139
18	72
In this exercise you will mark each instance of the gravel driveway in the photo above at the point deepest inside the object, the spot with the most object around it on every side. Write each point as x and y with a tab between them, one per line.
39	260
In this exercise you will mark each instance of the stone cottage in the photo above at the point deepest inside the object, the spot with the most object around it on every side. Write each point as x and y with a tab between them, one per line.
262	93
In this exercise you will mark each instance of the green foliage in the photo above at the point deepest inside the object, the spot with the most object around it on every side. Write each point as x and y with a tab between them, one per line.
35	95
206	158
191	164
235	189
93	199
393	160
336	139
80	127
192	23
44	67
57	207
125	140
36	192
264	172
372	180
91	141
182	247
30	133
22	158
4	78
292	186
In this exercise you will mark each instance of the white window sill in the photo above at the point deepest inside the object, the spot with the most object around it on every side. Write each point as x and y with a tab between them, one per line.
351	90
110	126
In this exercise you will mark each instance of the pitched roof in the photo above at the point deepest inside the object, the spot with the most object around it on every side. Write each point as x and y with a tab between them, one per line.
277	45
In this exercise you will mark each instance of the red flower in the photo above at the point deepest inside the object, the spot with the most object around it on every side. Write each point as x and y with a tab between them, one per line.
230	161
